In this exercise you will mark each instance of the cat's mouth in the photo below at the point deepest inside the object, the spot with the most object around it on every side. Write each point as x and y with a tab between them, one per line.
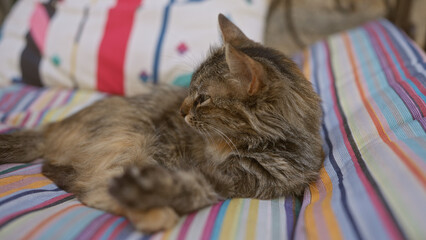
188	119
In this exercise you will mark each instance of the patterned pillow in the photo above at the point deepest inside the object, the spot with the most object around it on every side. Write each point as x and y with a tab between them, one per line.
116	46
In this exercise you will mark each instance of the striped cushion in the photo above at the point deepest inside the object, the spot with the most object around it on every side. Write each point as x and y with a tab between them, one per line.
116	46
372	186
372	83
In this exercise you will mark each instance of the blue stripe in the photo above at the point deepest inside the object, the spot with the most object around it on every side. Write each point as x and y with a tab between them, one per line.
407	41
219	220
397	64
146	237
125	232
352	228
111	228
77	227
350	182
364	49
22	104
276	220
59	223
34	94
9	207
412	61
26	193
160	41
402	94
290	219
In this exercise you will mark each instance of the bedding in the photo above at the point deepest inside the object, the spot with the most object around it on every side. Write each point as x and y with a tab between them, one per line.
116	46
372	81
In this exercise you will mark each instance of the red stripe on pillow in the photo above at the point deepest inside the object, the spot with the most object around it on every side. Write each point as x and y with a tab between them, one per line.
112	50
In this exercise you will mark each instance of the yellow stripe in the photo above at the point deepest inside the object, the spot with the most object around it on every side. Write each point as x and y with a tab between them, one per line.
330	218
73	64
306	67
33	185
14	120
252	219
42	101
167	234
48	116
69	106
12	179
311	229
230	222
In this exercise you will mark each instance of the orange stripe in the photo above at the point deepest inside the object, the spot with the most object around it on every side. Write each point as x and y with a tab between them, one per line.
408	162
330	218
306	66
323	198
33	185
167	234
36	229
12	179
311	228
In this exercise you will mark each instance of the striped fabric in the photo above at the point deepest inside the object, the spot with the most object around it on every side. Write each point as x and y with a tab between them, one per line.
116	46
373	185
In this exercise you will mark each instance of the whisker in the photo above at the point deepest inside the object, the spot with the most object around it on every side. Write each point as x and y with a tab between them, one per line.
227	140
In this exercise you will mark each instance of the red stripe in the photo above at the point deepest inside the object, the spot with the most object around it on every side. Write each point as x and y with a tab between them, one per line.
386	219
44	204
391	43
185	226
208	228
118	229
411	165
17	98
105	226
112	51
39	227
416	98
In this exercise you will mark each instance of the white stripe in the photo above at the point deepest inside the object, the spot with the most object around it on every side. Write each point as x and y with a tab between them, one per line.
13	40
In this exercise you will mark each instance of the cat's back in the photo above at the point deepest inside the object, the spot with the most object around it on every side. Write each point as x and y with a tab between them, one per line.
162	102
115	124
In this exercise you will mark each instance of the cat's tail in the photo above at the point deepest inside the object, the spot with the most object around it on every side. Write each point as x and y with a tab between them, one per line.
21	147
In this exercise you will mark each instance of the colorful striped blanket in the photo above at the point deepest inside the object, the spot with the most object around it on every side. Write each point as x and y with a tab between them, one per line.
372	81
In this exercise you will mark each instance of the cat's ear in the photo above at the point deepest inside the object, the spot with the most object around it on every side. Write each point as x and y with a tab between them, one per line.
250	72
232	34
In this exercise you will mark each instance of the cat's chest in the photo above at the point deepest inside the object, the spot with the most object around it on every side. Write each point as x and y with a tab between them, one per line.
219	151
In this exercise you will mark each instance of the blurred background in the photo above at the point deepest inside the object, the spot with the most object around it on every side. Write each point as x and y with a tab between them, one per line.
295	24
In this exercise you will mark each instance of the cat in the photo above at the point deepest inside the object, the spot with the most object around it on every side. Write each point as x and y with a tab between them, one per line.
247	127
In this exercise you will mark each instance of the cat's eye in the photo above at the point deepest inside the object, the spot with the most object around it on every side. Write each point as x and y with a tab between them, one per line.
202	100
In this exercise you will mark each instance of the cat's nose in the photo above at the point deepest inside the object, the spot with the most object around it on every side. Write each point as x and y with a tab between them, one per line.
185	107
183	112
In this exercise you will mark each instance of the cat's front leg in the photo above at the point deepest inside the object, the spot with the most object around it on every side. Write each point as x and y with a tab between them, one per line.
141	190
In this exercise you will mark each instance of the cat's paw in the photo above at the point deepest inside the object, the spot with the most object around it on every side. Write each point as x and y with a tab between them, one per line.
153	220
144	188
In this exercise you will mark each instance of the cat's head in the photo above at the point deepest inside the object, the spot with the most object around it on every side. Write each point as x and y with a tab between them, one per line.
249	93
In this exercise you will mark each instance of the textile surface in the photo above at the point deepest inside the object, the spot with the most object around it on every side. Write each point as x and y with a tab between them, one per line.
373	185
116	46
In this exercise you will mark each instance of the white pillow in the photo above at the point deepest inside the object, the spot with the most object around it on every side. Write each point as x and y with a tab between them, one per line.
116	46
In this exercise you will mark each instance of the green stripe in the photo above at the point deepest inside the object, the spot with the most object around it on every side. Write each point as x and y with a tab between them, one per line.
16	168
276	221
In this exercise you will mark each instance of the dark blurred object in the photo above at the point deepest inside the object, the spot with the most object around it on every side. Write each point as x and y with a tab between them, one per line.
410	16
5	6
295	24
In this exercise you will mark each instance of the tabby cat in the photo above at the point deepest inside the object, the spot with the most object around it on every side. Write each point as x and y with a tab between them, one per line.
248	127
